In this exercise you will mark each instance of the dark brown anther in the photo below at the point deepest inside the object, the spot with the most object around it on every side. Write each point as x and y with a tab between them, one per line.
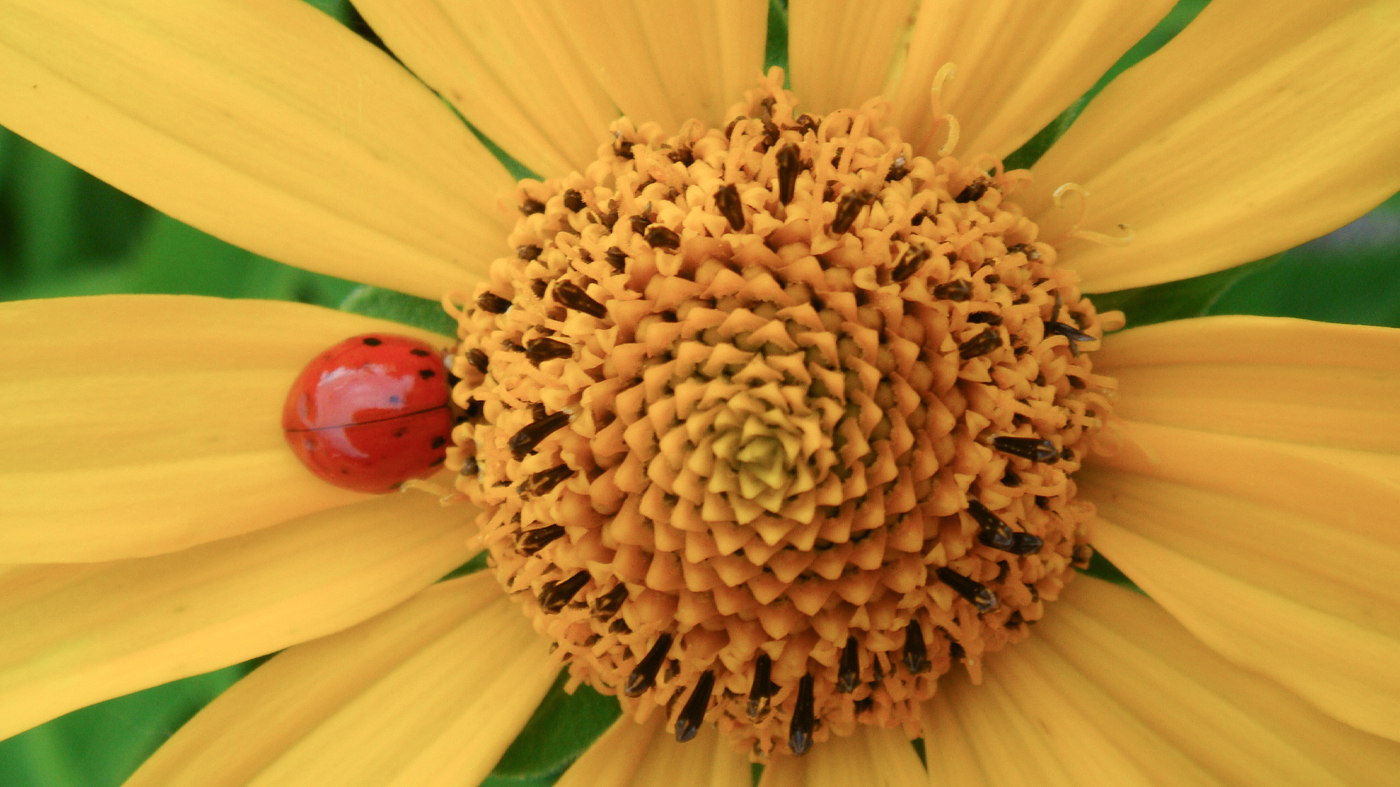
528	253
974	191
956	650
761	693
727	200
898	170
1068	331
607	605
543	482
538	411
609	219
1003	571
915	651
864	705
644	676
1035	591
491	302
1067	454
771	133
849	209
530	542
913	259
806	123
531	206
538	286
556	594
1083	554
683	156
573	200
623	149
688	723
849	676
729	129
1015	621
617	259
478	360
1027	544
474	412
1032	448
919	218
993	532
620	626
524	441
663	238
955	290
640	223
976	593
510	346
572	296
804	718
986	318
543	349
789	166
981	344
470	467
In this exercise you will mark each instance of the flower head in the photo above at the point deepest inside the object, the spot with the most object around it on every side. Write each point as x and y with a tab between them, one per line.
801	331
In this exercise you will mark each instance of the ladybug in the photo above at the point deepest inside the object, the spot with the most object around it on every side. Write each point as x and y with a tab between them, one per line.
371	412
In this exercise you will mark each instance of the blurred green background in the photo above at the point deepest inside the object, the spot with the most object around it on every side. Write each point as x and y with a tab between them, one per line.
64	233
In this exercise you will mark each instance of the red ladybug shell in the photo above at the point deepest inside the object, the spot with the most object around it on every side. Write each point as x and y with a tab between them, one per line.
371	412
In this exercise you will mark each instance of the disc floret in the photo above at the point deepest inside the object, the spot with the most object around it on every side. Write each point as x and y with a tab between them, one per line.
773	423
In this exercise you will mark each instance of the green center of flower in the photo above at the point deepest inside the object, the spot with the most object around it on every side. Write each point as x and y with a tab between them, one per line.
772	424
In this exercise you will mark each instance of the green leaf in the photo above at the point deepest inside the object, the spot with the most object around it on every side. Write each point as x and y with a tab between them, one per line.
562	728
775	52
472	566
1176	300
1101	568
1346	277
101	745
396	306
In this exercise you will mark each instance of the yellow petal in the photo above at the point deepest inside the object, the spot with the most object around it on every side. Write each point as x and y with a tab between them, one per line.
1281	557
1021	729
263	122
510	69
77	634
1260	126
1017	65
647	755
140	424
669	62
872	757
1124	672
841	50
429	694
1279	379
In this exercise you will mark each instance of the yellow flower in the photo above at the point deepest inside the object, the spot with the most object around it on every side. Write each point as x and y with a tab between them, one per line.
155	526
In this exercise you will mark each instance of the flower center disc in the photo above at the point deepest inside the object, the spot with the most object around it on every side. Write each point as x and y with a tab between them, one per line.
773	423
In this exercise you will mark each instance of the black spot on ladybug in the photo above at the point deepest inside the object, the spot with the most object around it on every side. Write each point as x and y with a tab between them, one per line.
419	353
427	374
401	431
439	441
372	342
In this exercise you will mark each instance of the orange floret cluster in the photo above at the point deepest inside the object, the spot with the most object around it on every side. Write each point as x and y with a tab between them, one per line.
773	423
